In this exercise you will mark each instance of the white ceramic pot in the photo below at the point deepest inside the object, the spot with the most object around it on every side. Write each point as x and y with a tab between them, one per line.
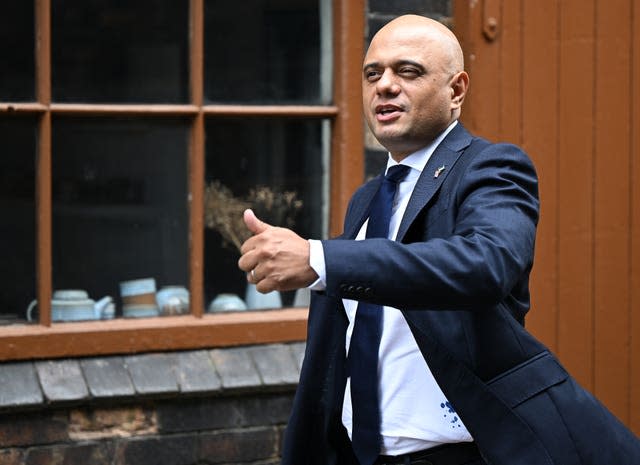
75	305
226	303
173	300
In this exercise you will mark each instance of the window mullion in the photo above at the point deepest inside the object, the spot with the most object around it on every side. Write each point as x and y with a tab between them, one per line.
347	169
196	160
43	164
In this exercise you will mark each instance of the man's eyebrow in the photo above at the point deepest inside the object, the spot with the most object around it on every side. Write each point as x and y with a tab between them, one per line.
410	62
367	66
395	64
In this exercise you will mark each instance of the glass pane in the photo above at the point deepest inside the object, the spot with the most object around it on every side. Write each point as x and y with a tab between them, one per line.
17	51
105	51
279	168
17	222
120	211
267	51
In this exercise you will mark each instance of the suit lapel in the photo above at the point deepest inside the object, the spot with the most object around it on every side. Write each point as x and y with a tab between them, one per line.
433	175
360	210
446	154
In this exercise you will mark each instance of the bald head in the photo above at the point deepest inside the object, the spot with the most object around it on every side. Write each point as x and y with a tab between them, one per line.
413	83
433	34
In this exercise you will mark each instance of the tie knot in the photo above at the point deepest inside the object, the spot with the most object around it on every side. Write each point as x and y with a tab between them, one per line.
397	173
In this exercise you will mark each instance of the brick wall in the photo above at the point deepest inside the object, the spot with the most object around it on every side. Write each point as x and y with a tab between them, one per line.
236	429
201	407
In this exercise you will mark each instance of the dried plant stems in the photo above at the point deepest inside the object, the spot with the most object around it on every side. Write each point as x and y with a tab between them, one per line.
223	211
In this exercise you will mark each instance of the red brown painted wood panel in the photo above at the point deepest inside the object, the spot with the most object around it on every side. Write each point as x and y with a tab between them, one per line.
484	90
540	141
575	188
567	82
611	204
511	71
634	361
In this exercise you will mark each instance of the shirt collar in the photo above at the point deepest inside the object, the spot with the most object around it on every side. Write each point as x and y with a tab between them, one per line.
418	160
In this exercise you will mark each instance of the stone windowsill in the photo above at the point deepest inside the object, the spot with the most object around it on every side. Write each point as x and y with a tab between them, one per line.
50	383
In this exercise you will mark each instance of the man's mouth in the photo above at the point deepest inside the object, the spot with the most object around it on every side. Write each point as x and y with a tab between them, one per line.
386	113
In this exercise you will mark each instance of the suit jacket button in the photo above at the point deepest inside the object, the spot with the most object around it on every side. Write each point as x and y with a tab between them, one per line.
367	290
360	289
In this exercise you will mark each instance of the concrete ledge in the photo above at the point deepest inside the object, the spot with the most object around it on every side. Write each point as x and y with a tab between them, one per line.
62	380
188	373
19	385
107	377
195	372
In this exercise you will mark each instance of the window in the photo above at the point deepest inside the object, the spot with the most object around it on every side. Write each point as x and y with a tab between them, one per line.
17	222
120	118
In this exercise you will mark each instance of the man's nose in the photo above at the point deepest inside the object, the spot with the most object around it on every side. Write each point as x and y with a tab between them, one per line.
387	84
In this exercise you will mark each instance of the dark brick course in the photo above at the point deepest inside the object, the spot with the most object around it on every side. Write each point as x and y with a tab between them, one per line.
88	453
11	456
172	450
33	428
234	412
242	445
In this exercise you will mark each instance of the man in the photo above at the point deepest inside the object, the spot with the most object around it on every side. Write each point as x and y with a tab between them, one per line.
458	379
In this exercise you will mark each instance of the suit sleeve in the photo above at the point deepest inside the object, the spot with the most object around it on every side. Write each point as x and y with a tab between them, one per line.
490	216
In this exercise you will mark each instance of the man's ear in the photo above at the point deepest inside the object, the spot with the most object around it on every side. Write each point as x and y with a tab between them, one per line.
459	85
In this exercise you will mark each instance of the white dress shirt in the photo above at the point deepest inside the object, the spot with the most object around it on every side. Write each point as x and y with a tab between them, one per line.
415	414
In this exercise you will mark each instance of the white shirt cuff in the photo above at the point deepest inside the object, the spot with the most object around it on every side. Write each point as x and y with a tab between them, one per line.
316	261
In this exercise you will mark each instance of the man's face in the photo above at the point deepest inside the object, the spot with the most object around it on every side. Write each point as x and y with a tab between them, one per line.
407	96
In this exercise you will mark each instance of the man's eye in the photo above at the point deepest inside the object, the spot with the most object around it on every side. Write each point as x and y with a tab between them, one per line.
409	72
371	75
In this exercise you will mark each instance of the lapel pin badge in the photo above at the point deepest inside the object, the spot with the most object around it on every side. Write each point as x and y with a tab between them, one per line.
438	171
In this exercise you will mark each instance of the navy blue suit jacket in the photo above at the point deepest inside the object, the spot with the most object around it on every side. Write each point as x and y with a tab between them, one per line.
459	271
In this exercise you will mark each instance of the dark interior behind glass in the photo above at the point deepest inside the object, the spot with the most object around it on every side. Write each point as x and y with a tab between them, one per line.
17	51
124	52
120	203
285	155
17	222
262	51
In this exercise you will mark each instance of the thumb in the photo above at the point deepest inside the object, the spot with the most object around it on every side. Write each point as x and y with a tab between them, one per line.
253	223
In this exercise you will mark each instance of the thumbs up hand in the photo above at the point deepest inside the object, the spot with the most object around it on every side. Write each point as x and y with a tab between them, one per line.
253	223
275	259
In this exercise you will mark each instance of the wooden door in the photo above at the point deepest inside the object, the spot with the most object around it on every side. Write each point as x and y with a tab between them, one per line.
561	78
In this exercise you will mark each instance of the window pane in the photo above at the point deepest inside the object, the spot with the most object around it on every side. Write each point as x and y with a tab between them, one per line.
105	51
270	157
267	51
120	208
17	51
17	222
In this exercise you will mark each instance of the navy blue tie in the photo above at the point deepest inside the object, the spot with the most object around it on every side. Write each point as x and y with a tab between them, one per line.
365	340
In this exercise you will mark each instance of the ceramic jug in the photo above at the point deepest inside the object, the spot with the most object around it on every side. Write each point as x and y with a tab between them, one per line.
75	305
